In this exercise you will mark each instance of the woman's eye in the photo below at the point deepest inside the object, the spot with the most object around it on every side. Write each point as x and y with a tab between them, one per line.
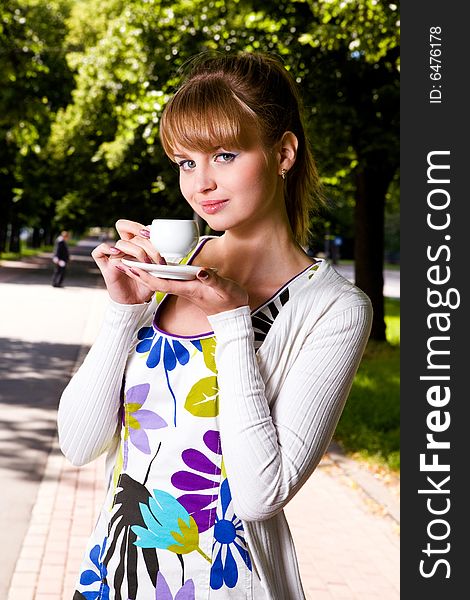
225	157
186	165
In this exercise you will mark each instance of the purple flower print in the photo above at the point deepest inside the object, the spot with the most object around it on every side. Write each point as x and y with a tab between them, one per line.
137	420
198	504
187	592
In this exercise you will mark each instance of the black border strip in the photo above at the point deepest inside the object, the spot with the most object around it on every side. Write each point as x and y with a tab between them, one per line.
435	530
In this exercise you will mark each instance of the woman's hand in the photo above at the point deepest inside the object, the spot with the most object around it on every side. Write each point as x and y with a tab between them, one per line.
209	292
133	244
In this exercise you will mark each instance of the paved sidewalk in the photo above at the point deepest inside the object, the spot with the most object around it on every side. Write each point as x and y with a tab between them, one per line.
345	521
63	516
391	279
42	330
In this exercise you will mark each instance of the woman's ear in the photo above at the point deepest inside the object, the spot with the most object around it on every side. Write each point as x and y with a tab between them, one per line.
287	151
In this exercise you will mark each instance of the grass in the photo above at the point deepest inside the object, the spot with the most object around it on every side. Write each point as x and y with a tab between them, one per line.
25	251
369	428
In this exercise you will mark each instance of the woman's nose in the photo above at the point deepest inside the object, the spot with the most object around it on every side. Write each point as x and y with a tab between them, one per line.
205	180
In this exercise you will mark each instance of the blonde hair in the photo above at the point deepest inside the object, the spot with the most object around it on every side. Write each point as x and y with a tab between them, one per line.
225	94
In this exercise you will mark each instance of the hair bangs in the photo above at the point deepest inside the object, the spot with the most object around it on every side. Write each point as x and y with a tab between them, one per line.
204	117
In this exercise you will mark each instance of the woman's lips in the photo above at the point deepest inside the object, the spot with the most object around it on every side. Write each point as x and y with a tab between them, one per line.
211	208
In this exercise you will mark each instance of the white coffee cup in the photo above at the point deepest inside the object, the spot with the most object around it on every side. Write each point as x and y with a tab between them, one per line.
174	238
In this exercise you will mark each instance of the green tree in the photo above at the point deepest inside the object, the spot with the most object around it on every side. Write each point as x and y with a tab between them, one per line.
344	54
106	140
34	82
363	36
346	58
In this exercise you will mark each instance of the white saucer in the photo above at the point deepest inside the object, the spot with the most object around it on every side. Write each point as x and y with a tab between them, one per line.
171	271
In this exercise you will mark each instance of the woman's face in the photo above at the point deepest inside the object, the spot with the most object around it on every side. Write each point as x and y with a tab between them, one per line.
231	187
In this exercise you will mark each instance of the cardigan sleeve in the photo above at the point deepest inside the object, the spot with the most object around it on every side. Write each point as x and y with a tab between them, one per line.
270	449
89	407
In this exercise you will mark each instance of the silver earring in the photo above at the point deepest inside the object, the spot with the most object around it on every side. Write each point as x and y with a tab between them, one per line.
283	173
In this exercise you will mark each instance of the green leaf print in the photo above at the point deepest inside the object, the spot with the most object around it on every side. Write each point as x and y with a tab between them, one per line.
312	271
187	539
203	399
208	352
159	296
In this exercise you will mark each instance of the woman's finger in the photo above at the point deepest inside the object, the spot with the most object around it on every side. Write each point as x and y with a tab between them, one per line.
160	284
145	245
128	229
105	251
137	250
131	231
211	293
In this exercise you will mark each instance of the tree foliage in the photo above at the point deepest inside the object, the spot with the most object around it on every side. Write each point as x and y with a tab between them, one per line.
102	154
34	82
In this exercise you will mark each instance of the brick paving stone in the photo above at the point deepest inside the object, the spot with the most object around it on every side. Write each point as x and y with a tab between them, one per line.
28	565
54	559
319	594
22	593
341	592
50	585
23	580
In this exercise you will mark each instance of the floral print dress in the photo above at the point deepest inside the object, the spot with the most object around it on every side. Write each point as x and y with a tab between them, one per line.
168	530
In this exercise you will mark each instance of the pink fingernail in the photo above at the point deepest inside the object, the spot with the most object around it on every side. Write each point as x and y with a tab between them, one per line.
145	233
120	268
114	250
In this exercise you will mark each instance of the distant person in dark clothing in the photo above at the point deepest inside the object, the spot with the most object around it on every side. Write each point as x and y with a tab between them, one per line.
61	258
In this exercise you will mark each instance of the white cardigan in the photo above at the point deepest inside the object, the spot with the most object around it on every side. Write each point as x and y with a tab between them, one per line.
278	407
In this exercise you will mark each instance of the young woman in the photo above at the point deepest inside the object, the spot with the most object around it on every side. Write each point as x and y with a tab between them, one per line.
216	398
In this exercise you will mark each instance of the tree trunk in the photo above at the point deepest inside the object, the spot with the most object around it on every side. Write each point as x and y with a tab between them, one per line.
36	238
5	212
3	236
371	187
15	237
48	236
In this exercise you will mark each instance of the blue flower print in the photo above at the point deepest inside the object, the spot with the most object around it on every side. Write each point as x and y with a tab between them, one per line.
228	534
159	348
152	342
145	335
90	577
